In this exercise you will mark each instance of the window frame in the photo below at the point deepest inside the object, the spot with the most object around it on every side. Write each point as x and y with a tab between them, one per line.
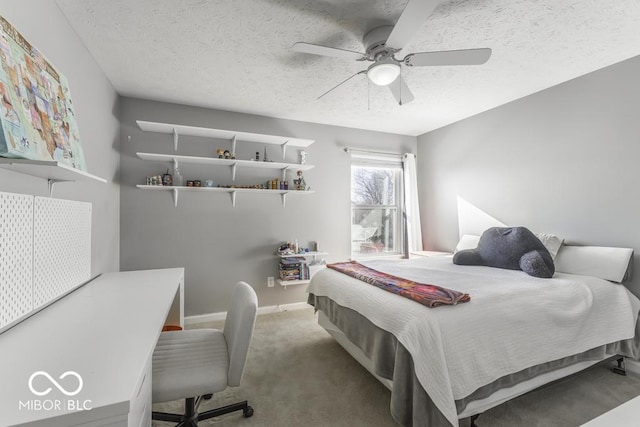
377	161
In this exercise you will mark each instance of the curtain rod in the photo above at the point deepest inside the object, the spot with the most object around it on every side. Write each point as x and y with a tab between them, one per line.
358	150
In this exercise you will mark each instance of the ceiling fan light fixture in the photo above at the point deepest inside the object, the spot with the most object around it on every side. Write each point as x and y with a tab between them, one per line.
383	72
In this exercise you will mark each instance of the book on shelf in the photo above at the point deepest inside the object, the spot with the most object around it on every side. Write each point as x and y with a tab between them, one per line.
294	268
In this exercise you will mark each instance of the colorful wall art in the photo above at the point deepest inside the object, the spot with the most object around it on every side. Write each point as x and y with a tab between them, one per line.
37	117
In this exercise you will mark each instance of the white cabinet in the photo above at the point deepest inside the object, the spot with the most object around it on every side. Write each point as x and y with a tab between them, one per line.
232	164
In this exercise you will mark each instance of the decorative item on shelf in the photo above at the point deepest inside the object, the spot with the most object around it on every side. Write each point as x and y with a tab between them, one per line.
167	179
189	183
303	157
265	158
197	183
178	180
284	249
220	153
208	183
299	184
154	180
257	156
252	187
227	154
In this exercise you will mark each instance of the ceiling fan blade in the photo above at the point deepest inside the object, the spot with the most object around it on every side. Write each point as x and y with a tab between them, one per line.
448	57
342	82
401	91
316	49
413	16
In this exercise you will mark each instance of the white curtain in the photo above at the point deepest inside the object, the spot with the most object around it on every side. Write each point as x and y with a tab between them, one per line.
413	231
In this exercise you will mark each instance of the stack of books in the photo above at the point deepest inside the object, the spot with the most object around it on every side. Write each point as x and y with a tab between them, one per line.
294	268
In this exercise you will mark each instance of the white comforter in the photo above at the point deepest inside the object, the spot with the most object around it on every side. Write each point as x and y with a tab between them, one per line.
513	321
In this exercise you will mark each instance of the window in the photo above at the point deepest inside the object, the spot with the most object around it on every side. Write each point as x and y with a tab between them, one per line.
376	200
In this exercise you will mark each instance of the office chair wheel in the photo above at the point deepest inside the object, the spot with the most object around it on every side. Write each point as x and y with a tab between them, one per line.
247	412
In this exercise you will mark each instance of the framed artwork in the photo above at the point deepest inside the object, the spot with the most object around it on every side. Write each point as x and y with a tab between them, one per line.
37	117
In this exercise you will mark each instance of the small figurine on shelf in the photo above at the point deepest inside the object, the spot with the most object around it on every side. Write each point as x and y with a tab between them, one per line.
303	157
167	178
220	153
227	154
299	184
265	158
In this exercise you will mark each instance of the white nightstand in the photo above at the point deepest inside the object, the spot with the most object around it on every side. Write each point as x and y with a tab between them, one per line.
427	253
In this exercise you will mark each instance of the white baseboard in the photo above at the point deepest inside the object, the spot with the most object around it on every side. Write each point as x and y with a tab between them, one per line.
212	317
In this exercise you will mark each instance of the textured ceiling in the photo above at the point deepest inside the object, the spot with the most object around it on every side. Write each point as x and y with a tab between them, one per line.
236	54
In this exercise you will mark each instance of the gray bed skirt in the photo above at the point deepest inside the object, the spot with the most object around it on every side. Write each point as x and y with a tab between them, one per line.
410	404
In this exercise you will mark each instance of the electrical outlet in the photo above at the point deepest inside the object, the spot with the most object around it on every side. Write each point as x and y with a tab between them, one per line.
270	282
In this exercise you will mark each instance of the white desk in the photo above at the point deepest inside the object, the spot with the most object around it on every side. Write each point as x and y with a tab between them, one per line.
105	331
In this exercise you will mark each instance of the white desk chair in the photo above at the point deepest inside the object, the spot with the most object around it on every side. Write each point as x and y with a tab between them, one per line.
194	364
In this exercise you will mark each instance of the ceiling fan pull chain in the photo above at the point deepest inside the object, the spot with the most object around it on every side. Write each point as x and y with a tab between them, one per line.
400	84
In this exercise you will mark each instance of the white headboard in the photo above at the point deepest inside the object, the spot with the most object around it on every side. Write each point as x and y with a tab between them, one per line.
45	252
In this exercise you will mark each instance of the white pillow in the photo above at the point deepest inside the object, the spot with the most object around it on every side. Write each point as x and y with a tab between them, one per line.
611	264
467	241
552	243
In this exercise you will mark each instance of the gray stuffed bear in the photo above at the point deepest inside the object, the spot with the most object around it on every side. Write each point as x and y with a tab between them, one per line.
512	248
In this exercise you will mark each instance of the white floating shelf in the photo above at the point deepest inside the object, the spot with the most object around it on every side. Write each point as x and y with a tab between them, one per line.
232	191
178	130
48	169
286	283
52	171
310	253
233	163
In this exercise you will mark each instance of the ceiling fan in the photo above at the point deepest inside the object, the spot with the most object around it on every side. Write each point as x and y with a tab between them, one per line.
382	43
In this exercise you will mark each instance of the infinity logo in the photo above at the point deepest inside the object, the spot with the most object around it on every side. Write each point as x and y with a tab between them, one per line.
55	383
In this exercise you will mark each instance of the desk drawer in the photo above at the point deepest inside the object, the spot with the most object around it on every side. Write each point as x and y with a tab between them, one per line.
141	400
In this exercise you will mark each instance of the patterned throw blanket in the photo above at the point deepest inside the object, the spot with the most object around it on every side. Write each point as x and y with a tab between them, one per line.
429	295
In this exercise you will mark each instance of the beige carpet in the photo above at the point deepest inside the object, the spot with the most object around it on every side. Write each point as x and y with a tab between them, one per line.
297	375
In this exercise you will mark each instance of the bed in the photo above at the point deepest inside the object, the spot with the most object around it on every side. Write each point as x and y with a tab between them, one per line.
448	363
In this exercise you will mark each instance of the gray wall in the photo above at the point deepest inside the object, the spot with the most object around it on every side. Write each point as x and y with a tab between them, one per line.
563	161
216	243
43	25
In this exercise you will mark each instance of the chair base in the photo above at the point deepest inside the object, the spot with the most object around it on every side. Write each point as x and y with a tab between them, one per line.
192	416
